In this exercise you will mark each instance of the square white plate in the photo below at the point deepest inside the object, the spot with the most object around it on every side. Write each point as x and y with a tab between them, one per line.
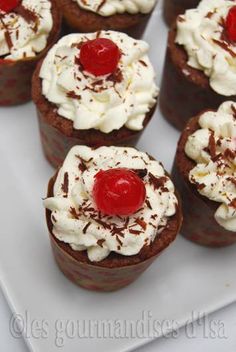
185	279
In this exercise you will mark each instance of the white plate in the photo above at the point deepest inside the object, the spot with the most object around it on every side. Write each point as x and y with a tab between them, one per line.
185	279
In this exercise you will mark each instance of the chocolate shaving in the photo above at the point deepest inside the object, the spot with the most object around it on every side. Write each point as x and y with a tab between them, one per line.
233	203
8	39
200	186
212	145
98	34
209	14
135	232
65	183
148	204
101	5
74	213
232	179
141	223
116	77
141	172
180	19
117	231
157	182
86	227
229	154
143	63
225	46
100	242
89	208
97	83
53	218
233	110
119	241
6	34
103	224
217	158
82	166
73	95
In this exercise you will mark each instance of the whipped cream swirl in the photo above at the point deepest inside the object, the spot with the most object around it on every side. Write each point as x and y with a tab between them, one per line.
105	103
112	7
24	31
76	220
213	148
202	33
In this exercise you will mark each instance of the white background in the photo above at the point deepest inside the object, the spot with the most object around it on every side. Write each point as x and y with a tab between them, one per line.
225	317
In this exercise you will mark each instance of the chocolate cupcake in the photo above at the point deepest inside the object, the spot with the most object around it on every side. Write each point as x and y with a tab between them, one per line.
204	173
28	29
95	89
173	8
110	212
95	15
200	62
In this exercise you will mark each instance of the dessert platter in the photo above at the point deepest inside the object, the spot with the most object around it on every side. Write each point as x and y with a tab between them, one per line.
95	186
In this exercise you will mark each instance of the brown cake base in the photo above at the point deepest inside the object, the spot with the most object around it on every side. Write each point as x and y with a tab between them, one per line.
199	223
115	271
173	8
15	76
83	21
185	91
58	135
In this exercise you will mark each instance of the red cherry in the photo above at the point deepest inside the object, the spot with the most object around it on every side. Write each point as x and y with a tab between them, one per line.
230	24
8	5
118	192
99	56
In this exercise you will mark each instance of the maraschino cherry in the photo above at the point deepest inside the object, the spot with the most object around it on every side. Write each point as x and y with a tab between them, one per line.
118	192
8	5
230	24
99	56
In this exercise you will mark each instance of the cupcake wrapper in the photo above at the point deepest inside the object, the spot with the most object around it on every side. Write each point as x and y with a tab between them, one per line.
15	81
56	145
79	20
138	30
199	224
97	278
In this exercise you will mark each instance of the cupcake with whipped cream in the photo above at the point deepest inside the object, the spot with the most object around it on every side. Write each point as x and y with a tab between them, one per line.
173	8
28	28
130	16
95	89
200	67
110	212
205	175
